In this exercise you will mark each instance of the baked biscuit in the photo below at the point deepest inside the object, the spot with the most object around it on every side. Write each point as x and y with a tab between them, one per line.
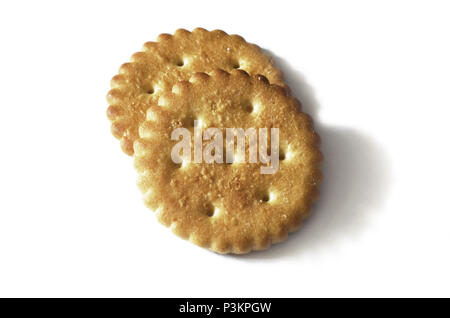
229	207
176	57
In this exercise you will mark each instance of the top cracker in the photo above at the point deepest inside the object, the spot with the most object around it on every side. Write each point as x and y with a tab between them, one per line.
172	58
228	206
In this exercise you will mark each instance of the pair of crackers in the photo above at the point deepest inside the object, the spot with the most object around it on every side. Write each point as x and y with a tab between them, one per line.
202	85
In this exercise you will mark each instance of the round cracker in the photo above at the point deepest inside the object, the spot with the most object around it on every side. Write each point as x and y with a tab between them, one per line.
172	58
229	207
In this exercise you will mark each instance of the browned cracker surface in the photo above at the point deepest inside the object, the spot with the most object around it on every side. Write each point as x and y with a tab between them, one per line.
229	208
172	58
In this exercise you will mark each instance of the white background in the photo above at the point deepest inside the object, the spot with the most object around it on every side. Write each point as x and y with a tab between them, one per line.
375	75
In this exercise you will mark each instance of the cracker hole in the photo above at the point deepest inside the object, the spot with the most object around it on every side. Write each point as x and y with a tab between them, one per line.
150	90
264	197
281	155
209	210
234	63
179	63
247	106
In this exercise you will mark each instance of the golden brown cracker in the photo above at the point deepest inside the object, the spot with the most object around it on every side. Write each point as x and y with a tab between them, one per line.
172	58
229	207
